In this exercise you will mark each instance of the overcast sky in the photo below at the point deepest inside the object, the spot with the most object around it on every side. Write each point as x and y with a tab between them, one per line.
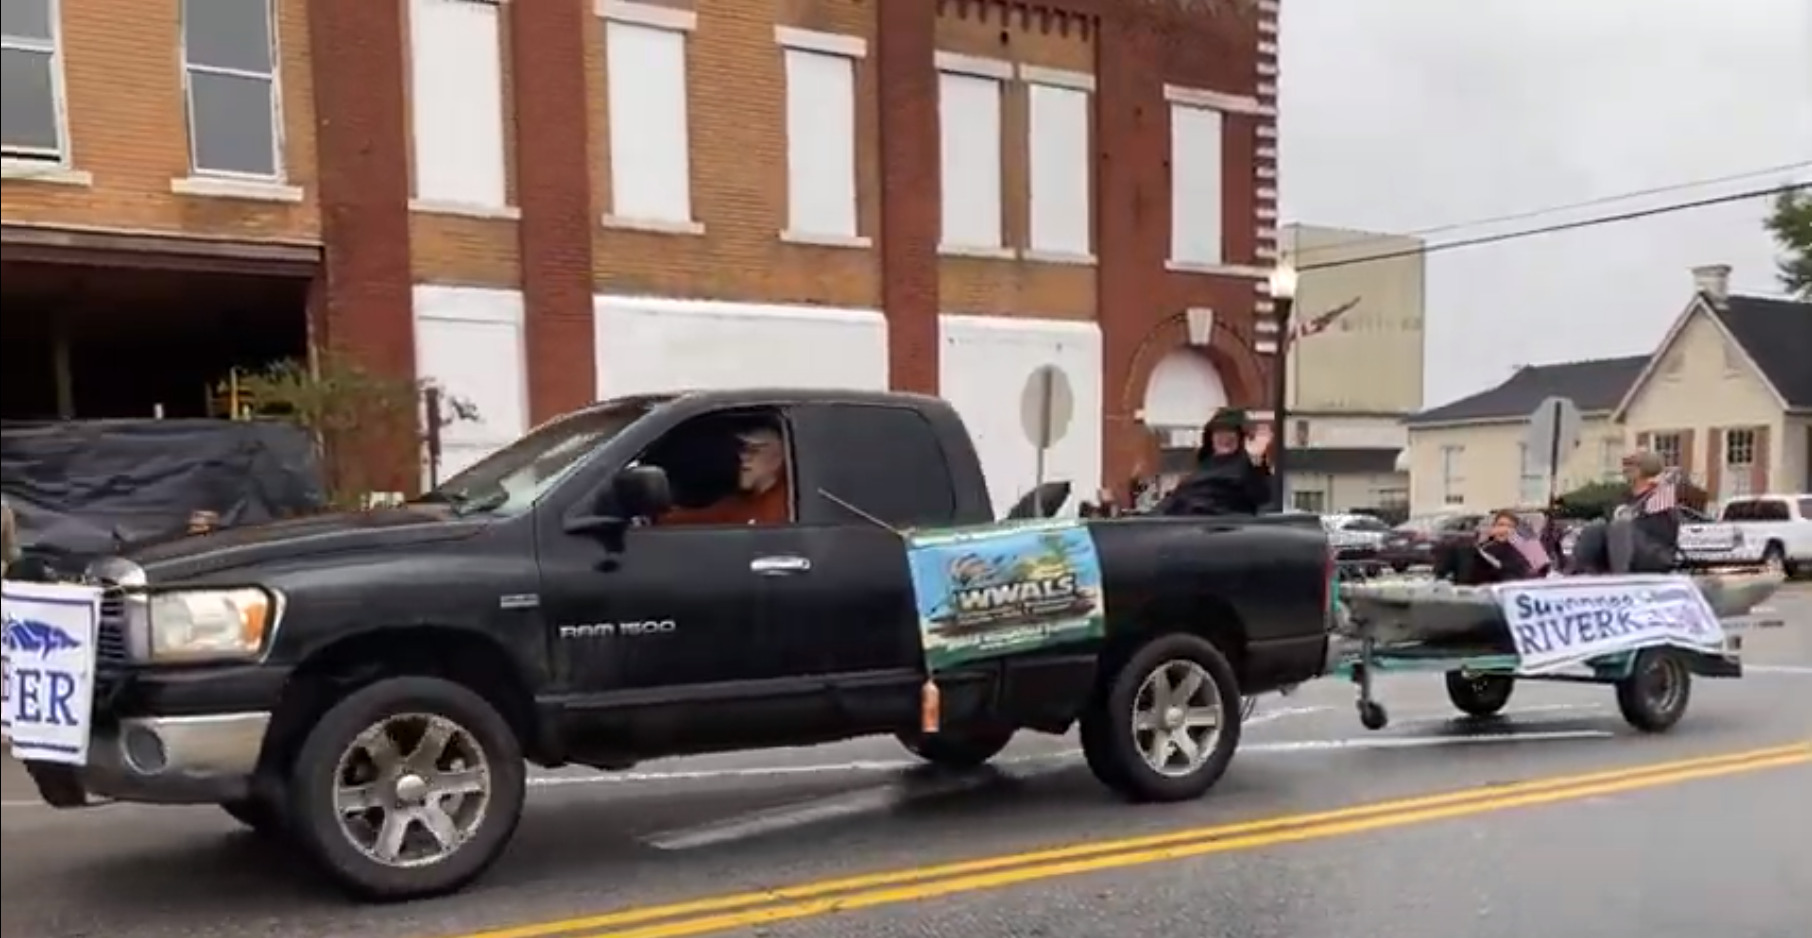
1401	115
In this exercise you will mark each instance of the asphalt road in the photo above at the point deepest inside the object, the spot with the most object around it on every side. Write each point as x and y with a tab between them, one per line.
1336	832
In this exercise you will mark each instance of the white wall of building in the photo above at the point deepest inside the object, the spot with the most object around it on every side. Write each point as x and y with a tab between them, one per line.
984	365
469	341
653	344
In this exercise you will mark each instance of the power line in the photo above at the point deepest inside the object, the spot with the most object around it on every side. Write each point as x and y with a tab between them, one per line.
1564	226
1570	206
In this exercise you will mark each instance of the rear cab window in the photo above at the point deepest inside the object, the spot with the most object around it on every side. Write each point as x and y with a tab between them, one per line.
884	460
1805	509
1758	509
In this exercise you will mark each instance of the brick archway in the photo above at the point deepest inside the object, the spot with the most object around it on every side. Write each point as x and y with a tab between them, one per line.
1131	447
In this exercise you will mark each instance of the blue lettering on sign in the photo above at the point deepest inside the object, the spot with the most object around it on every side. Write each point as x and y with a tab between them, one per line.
1551	629
44	696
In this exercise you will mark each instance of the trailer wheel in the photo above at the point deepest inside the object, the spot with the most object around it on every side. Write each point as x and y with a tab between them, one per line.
1479	695
1169	723
957	748
409	787
1655	695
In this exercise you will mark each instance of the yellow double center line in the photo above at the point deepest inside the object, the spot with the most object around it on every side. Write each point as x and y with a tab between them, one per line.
809	900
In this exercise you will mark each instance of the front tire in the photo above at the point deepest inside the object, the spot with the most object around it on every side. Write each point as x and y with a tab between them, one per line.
960	748
1479	695
410	787
1169	722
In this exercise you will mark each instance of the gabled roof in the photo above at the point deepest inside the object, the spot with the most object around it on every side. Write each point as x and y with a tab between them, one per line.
1595	386
1777	335
1774	334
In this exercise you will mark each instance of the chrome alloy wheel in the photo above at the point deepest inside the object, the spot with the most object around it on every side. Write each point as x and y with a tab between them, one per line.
1177	718
411	789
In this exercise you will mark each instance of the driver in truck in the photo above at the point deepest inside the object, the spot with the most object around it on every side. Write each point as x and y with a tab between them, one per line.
761	496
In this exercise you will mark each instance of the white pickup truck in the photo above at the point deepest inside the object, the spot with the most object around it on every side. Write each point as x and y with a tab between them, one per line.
1774	531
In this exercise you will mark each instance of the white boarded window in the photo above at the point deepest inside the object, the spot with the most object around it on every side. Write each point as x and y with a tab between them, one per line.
650	162
821	143
456	102
969	117
1059	156
1195	185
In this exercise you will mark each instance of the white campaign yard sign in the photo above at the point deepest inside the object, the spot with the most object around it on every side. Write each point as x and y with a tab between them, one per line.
1565	621
50	630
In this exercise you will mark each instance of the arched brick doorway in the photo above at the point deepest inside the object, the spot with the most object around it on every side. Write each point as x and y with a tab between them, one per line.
1190	380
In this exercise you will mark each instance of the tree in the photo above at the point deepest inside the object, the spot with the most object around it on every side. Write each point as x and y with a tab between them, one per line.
1791	225
339	401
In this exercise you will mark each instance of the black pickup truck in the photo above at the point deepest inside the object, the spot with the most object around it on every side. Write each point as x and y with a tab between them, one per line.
373	686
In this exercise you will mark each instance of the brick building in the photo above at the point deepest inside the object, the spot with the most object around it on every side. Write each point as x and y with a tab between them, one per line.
542	203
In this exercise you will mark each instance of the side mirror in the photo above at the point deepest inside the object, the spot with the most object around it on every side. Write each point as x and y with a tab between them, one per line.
641	492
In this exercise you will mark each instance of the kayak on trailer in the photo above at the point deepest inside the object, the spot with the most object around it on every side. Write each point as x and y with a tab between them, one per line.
1645	634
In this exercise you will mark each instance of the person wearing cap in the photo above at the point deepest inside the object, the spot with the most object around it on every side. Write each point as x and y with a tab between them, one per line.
1643	533
762	494
1233	470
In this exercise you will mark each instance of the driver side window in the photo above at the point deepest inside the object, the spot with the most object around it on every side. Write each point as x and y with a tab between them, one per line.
727	468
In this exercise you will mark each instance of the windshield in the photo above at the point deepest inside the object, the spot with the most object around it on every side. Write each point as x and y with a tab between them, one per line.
515	477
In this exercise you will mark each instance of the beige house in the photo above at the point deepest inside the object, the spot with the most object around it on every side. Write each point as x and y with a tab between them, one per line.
1350	387
1727	396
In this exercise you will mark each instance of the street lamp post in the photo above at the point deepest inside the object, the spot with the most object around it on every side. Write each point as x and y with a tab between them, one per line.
1283	297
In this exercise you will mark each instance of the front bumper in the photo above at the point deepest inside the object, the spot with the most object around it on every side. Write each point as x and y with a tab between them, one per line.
160	760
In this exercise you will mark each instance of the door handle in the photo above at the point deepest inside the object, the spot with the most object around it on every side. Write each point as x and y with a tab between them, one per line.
785	565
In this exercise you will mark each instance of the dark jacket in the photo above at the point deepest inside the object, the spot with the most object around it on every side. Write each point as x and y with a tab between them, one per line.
1649	539
1221	485
1500	562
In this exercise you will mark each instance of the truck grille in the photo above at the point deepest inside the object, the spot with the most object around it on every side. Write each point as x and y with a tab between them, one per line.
110	644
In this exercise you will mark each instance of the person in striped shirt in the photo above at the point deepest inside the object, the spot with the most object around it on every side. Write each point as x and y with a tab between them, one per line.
1643	533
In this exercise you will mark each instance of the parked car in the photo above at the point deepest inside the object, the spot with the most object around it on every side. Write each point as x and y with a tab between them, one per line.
1774	531
1359	542
1421	536
371	686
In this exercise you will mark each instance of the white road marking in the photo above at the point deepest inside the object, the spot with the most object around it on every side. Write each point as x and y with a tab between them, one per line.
817	810
1792	670
1268	716
1426	718
884	798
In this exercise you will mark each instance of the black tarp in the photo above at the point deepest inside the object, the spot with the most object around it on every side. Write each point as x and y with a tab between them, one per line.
82	487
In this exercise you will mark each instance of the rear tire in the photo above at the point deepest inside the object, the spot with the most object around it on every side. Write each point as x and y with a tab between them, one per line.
959	748
1169	722
1655	695
1480	695
365	772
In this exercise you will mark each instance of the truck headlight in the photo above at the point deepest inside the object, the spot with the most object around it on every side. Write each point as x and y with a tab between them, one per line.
203	625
